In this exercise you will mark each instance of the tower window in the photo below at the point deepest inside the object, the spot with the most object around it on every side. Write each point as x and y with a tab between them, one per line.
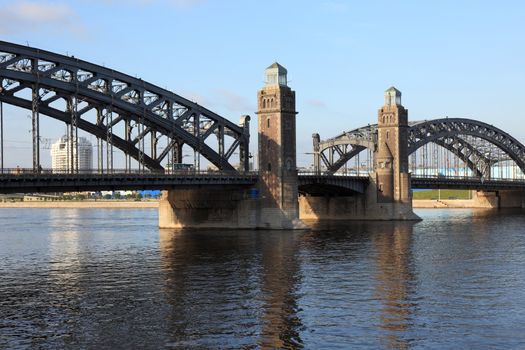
264	103
387	134
268	122
269	166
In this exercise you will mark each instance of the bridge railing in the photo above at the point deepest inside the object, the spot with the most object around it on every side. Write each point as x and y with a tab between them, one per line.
466	178
313	172
30	172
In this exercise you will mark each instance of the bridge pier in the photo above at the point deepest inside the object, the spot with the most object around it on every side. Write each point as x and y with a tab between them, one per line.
360	206
276	206
499	199
389	194
207	208
511	199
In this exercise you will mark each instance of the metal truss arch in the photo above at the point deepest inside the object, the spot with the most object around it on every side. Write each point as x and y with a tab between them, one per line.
448	133
158	111
358	140
453	128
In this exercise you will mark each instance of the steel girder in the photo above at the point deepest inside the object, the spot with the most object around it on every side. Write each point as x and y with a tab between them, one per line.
432	130
153	110
447	132
359	140
475	160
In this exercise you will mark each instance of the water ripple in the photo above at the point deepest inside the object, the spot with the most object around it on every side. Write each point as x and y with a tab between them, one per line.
106	279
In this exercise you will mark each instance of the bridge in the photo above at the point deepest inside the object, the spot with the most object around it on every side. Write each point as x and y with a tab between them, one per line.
147	131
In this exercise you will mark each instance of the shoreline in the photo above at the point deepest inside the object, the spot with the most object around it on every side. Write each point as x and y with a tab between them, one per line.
82	204
449	204
417	203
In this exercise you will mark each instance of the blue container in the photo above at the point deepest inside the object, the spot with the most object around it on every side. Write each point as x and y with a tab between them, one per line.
254	193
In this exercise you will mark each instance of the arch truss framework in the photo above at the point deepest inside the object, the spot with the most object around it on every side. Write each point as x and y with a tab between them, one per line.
471	141
128	110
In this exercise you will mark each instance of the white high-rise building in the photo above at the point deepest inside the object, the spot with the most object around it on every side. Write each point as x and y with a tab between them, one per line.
61	155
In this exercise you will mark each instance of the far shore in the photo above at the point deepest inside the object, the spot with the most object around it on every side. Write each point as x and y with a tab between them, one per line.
448	203
86	204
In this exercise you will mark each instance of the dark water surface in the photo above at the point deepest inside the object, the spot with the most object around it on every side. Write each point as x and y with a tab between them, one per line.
104	279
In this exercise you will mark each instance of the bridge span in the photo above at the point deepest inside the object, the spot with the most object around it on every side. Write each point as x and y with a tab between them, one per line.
365	173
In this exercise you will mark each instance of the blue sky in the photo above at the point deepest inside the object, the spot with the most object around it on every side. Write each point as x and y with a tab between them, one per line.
449	58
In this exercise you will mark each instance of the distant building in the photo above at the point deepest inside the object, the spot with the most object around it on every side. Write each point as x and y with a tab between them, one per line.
61	155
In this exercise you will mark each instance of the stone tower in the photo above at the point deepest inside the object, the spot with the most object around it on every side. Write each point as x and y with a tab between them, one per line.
391	157
385	175
277	153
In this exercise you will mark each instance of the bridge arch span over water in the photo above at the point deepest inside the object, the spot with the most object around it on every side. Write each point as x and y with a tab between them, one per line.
479	145
128	110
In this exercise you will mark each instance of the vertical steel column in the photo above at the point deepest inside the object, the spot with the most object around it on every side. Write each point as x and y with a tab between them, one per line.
73	134
35	129
100	144
345	168
68	149
109	140
358	165
196	151
244	146
141	131
70	139
170	139
177	152
127	138
316	139
141	142
154	142
220	141
75	121
331	156
2	137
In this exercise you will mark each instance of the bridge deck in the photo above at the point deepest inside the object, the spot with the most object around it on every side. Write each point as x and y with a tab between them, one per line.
23	181
467	183
29	183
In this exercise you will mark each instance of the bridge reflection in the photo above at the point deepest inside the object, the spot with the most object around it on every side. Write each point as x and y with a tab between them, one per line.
395	279
204	269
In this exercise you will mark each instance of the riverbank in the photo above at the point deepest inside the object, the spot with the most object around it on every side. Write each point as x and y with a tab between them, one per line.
82	204
417	203
448	203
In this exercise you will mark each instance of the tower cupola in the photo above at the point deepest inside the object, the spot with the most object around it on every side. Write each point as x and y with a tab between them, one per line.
392	97
275	75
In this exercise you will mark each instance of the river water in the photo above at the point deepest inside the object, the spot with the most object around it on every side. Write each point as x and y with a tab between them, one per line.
106	279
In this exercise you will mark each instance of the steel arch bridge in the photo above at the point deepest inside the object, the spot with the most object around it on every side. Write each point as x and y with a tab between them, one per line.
457	135
67	89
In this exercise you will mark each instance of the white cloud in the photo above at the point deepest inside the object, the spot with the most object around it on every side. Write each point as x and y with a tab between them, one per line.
37	16
195	97
316	103
177	3
234	102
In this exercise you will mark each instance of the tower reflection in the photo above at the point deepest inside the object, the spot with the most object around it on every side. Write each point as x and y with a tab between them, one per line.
231	289
281	278
394	281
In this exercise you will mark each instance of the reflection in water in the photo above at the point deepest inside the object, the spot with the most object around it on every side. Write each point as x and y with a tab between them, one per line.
393	245
204	269
64	248
281	277
104	279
